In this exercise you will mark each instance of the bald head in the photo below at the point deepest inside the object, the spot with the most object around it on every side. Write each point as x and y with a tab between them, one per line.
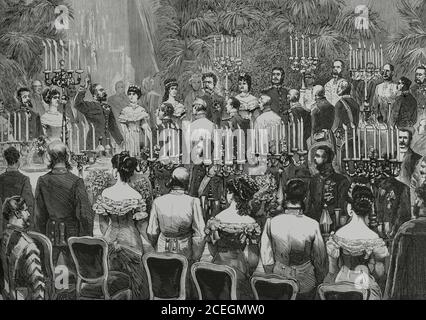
319	91
58	155
293	95
37	86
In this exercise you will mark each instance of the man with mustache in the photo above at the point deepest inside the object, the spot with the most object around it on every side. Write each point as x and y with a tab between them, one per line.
385	95
418	90
327	188
332	85
215	102
404	110
35	128
278	94
99	114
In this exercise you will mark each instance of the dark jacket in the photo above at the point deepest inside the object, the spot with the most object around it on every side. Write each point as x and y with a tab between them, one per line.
322	116
358	91
404	111
102	118
343	116
34	123
61	197
14	183
407	269
327	188
215	107
279	102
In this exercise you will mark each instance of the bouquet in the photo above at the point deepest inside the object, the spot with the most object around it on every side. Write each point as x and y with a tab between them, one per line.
40	146
97	181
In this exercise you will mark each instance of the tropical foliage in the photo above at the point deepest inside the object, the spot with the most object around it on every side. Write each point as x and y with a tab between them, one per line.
23	26
408	48
188	26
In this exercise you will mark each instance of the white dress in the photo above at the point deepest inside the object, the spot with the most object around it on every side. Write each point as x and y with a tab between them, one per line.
134	123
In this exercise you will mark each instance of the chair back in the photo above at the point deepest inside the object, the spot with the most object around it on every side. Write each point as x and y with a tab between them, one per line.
342	291
166	274
274	287
214	282
90	256
44	245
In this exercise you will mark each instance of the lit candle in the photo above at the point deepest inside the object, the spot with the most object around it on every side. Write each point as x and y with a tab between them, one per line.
387	143
20	126
392	143
50	55
227	46
77	130
310	47
27	127
398	150
350	57
277	140
228	148
8	125
78	54
93	136
303	46
291	46
289	137
217	145
61	43
223	46
46	67
380	142
294	134
365	56
207	156
262	133
354	140
214	48
71	139
241	157
164	141
2	131
15	128
302	135
151	149
375	137
365	143
84	136
55	44
316	48
296	45
359	144
346	142
381	55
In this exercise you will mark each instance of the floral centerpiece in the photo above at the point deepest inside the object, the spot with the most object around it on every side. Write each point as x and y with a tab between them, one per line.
97	181
40	146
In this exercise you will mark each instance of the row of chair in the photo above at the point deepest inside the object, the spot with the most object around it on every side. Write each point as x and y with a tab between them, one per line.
167	276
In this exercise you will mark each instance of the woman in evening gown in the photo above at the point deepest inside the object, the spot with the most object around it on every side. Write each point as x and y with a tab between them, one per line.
233	235
52	120
123	222
135	123
170	96
356	253
249	109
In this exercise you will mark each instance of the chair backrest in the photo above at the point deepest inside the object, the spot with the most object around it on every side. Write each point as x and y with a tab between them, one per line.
90	256
166	275
274	287
45	247
342	291
214	282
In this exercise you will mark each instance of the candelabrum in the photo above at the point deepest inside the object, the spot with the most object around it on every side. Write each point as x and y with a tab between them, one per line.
285	158
304	63
227	57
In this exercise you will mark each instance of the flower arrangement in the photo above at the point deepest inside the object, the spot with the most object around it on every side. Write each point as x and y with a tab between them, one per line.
97	181
40	145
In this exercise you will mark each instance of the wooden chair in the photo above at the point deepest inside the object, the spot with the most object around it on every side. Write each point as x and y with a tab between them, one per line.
214	282
94	280
274	287
166	273
45	247
342	291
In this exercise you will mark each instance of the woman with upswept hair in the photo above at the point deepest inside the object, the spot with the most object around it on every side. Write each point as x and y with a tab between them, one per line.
233	235
356	253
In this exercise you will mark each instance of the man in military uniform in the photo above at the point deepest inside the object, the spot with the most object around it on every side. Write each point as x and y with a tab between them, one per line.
35	129
328	189
278	94
63	209
20	257
418	90
323	112
331	86
385	94
99	114
215	103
